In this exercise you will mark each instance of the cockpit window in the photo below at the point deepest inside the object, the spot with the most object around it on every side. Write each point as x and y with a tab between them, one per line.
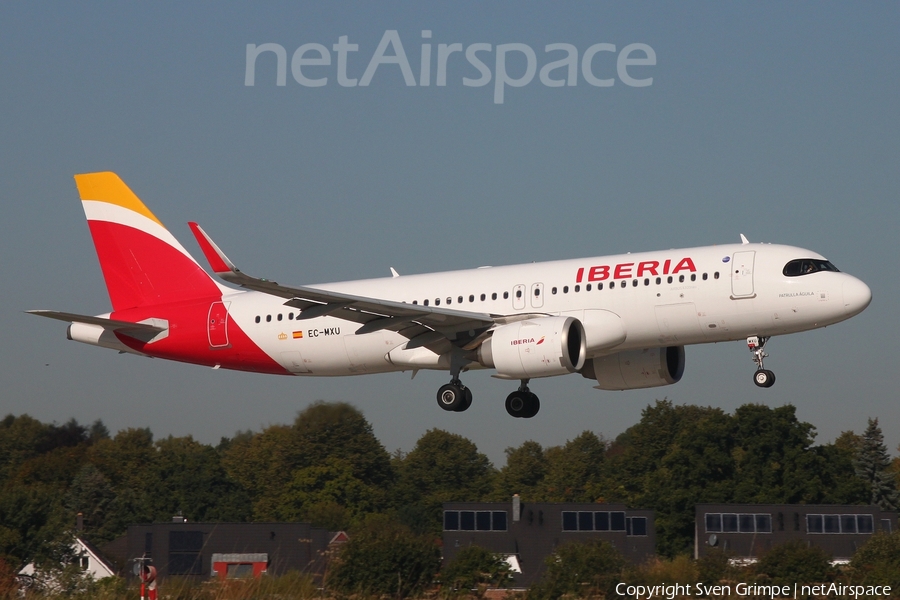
805	266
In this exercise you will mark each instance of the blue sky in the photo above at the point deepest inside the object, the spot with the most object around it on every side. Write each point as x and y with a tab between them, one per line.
779	121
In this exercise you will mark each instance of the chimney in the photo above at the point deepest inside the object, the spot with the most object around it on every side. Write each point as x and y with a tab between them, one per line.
79	522
517	508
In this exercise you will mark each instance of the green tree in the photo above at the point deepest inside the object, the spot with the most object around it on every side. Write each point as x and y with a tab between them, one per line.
878	561
92	495
873	466
524	471
385	558
266	463
443	467
328	495
339	430
774	461
193	482
698	467
580	570
638	451
574	471
263	464
475	566
794	562
673	458
34	526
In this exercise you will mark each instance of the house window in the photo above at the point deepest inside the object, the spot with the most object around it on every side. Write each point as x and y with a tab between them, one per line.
738	523
184	552
636	526
470	520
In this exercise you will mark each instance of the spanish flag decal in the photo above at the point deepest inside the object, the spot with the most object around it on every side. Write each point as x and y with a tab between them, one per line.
298	335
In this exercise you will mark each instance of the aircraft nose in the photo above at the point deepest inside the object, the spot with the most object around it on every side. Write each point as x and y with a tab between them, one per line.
857	296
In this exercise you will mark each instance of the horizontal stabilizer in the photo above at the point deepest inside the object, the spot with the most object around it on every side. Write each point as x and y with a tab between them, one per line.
126	327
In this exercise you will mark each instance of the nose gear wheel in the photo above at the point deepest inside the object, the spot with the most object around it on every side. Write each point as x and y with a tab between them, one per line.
762	377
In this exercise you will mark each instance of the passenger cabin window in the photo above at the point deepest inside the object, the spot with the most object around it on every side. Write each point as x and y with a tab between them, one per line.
805	266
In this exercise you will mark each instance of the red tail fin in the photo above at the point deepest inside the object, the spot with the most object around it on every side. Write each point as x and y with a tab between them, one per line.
142	263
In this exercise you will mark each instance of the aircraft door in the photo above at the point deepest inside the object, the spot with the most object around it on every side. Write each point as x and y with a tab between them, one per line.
537	295
519	297
217	325
742	274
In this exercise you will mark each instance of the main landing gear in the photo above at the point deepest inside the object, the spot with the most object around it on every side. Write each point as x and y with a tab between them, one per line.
454	397
763	377
523	403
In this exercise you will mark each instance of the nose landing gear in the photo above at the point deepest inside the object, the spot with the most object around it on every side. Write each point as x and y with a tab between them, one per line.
763	377
523	403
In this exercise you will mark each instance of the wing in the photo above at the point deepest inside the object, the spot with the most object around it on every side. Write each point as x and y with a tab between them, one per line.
410	320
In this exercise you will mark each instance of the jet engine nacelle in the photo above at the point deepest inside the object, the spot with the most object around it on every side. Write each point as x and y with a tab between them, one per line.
636	369
535	348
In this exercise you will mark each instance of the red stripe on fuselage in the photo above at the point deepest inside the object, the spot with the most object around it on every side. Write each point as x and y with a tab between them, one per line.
188	339
140	269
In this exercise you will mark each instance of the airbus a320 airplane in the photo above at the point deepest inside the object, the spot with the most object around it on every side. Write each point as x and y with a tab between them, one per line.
620	320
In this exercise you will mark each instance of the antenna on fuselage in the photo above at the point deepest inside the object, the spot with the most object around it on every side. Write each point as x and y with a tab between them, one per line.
744	239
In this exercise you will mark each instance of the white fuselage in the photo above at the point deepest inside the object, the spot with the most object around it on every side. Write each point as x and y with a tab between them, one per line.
667	298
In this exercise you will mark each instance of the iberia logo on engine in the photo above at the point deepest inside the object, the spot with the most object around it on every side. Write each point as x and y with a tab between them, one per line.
527	341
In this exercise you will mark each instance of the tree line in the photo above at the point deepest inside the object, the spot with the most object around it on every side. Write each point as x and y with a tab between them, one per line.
328	468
